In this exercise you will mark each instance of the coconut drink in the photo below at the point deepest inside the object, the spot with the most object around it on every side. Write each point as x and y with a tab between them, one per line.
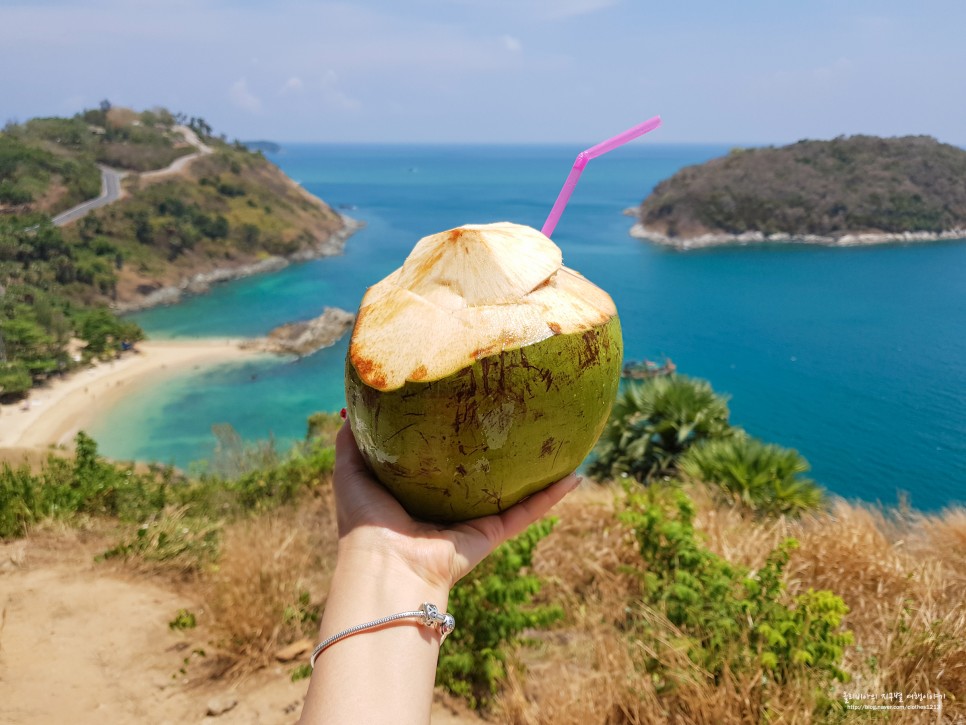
480	371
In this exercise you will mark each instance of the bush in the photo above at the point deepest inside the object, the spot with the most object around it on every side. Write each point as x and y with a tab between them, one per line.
762	476
172	539
493	605
89	484
732	621
323	427
654	422
15	380
104	332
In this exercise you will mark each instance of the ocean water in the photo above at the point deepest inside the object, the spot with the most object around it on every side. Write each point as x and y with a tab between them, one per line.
855	357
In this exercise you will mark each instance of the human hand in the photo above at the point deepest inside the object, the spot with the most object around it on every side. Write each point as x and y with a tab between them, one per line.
371	520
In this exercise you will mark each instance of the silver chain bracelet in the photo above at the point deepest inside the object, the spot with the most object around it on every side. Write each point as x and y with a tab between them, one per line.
428	615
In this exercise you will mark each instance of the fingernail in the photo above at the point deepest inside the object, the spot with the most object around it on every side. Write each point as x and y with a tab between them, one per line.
343	413
576	482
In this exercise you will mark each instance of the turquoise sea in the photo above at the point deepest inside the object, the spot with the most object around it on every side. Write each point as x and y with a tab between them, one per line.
856	357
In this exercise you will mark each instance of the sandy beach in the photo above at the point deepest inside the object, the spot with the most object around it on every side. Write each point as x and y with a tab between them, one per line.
54	414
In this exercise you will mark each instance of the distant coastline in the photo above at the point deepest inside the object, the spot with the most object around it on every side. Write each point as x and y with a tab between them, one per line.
846	239
269	147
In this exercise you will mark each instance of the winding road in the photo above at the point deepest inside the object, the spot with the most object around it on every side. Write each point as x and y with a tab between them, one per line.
110	192
111	189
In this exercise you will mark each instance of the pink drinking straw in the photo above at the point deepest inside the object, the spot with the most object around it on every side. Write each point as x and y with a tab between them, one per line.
582	158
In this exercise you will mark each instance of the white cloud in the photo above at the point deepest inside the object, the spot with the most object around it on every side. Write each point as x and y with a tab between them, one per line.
242	97
512	44
292	85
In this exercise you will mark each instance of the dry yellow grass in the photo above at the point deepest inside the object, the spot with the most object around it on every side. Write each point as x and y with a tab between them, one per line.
270	583
903	577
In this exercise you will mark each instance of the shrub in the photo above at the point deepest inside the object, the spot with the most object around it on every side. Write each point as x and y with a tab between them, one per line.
15	380
323	427
173	540
89	484
654	422
494	604
762	476
184	619
731	621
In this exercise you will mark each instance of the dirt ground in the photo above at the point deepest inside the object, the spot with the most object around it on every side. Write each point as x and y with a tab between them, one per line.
88	642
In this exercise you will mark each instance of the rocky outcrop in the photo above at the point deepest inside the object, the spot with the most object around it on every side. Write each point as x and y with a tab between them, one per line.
305	338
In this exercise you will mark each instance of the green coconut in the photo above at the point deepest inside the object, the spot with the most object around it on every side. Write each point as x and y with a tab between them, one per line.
480	371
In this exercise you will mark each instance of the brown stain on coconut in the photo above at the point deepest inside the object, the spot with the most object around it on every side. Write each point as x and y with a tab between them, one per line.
369	371
418	374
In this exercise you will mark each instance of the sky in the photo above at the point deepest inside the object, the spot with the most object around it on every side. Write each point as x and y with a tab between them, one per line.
498	71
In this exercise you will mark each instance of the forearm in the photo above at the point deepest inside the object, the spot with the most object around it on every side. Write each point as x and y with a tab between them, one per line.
377	676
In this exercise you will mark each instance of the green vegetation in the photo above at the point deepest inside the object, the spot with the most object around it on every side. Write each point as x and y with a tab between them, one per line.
234	206
34	176
653	423
174	513
47	290
762	476
50	164
495	604
184	619
734	621
85	485
826	188
678	426
229	208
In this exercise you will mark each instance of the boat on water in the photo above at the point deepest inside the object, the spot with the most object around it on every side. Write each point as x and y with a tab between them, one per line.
646	369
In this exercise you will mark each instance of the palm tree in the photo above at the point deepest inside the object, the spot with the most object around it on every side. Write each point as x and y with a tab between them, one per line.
762	476
654	422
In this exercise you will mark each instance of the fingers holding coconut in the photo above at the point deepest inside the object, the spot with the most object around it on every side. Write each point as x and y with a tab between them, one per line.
360	499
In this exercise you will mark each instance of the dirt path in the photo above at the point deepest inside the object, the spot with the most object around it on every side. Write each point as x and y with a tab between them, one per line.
82	642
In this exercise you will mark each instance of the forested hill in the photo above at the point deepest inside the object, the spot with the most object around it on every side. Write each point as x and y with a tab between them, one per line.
828	189
225	211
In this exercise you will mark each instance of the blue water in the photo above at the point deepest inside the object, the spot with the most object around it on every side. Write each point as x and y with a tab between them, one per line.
856	357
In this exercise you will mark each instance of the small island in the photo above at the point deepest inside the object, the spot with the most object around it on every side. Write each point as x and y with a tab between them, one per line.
847	191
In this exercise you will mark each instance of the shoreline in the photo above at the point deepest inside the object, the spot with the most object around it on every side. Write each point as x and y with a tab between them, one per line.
848	239
55	413
202	282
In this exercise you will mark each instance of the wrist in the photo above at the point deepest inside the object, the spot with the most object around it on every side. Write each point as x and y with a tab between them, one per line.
371	580
421	562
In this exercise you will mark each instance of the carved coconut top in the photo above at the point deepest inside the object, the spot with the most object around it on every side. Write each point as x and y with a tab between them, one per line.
467	293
